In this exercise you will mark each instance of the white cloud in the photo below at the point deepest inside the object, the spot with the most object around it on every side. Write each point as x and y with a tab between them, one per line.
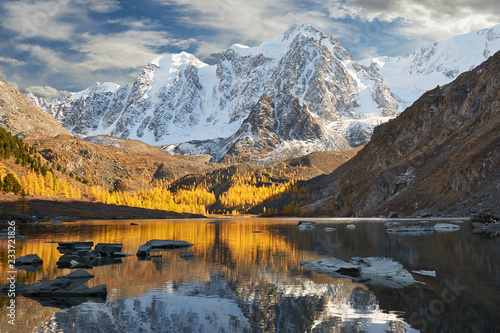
434	19
250	22
48	19
46	92
54	61
11	61
100	6
127	50
30	19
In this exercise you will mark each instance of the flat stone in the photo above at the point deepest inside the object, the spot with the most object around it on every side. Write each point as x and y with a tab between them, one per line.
446	227
108	249
167	243
30	259
412	229
377	271
74	247
350	226
329	229
144	250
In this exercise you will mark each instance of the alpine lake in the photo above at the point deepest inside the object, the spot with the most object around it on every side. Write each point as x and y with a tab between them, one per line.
246	276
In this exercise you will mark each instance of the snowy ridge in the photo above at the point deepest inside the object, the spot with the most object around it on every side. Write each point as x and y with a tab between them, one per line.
410	75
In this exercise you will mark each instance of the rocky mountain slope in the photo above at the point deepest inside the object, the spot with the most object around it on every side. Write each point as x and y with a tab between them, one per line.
21	117
442	153
115	163
301	75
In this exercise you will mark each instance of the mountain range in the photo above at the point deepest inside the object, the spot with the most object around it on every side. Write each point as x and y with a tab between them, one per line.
297	93
442	153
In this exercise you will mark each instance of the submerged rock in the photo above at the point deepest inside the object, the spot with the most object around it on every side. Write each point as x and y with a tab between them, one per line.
412	229
328	229
351	226
446	227
76	261
188	255
377	271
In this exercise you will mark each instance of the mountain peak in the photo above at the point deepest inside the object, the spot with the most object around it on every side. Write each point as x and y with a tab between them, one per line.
276	47
177	60
305	29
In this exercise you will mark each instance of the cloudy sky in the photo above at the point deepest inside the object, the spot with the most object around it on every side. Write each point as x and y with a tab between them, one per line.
50	47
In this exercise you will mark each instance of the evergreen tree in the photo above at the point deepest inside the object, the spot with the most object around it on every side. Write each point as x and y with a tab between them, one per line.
11	184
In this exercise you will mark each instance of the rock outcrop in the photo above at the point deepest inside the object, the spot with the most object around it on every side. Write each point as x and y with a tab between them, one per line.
19	115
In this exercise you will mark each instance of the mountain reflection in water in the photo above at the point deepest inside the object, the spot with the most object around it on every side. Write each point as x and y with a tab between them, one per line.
246	277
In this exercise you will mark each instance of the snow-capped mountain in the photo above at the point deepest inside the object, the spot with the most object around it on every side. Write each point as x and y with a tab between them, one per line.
241	109
193	107
409	76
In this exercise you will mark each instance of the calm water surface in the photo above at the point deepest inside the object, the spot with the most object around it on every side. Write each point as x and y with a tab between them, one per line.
245	276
